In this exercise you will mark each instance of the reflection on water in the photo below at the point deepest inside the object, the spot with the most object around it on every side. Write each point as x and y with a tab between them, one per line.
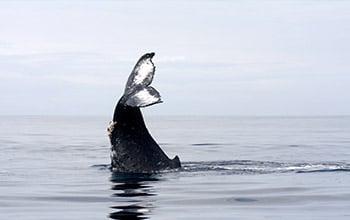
135	192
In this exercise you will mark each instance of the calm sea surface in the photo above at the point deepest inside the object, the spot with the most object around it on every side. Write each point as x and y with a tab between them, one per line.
233	168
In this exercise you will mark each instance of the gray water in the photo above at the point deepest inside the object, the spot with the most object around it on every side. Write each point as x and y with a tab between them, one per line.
233	168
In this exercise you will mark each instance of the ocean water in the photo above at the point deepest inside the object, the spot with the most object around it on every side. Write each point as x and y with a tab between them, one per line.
233	168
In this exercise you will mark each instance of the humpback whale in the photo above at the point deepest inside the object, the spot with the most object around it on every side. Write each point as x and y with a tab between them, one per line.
133	150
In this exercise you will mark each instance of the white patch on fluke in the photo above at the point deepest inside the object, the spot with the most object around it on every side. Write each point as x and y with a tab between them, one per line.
144	72
145	97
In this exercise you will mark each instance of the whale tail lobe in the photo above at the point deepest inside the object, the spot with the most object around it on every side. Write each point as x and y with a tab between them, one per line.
138	92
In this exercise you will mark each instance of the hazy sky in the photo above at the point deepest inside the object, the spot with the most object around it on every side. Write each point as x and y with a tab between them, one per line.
212	57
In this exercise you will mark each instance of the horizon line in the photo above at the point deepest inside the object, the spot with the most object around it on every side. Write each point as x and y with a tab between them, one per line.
177	115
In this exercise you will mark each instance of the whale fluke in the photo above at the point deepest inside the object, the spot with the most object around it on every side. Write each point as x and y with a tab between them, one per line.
137	91
133	148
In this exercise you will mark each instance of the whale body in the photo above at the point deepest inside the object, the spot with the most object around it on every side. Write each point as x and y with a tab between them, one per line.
133	150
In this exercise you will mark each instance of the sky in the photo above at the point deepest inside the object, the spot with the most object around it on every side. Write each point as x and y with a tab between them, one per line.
213	57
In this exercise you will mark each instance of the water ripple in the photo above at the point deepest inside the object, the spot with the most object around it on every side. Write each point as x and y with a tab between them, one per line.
263	167
252	167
